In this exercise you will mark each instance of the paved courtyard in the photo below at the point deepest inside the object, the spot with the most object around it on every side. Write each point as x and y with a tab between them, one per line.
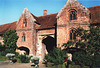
6	64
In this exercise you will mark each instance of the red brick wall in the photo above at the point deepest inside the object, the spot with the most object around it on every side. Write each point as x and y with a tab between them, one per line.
30	34
50	31
64	24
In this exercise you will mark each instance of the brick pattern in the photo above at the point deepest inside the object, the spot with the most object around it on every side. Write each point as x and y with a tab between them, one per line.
64	24
29	31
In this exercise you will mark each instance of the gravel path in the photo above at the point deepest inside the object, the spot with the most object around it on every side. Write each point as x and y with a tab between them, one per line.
6	64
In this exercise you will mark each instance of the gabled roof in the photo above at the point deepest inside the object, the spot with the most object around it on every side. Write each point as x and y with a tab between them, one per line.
71	2
49	21
7	27
95	14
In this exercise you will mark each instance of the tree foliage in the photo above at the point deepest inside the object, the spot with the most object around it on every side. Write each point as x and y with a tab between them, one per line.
2	48
88	41
10	39
24	58
56	56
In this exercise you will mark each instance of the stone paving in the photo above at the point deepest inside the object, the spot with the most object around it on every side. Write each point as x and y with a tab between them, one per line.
6	64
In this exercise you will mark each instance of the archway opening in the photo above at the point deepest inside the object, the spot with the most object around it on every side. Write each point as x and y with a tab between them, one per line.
24	50
49	42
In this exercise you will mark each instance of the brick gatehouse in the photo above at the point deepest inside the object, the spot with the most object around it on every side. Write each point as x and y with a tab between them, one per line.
38	35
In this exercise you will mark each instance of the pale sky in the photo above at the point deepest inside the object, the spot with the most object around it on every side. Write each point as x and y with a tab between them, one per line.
11	10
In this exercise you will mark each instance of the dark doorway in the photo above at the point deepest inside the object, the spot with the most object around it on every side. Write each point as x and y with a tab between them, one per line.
24	49
49	42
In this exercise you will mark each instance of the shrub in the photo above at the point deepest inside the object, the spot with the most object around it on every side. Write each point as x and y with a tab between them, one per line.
3	53
97	60
2	50
51	65
9	40
74	66
56	56
82	59
2	47
24	58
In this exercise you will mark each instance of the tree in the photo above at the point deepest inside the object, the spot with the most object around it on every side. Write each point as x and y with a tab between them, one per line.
2	48
10	39
88	42
56	56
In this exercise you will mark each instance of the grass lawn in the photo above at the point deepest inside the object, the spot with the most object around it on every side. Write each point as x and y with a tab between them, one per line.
3	58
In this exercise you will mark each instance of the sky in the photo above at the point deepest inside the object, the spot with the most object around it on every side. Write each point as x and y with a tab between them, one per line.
11	10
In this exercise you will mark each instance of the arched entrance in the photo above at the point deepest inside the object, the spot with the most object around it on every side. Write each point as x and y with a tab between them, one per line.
49	42
23	50
45	44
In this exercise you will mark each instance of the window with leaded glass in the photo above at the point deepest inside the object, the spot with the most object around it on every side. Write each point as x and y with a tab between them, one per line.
25	23
23	37
73	15
72	34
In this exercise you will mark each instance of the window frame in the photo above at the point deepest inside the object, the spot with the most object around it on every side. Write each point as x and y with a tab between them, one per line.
23	37
72	14
25	23
72	34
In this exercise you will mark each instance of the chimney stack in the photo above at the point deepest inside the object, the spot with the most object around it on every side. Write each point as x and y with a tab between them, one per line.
45	12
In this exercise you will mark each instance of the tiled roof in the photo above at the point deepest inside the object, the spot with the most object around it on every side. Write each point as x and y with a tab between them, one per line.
7	27
47	21
95	14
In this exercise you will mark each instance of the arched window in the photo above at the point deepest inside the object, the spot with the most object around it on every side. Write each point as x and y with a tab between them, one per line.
25	23
73	15
23	37
72	34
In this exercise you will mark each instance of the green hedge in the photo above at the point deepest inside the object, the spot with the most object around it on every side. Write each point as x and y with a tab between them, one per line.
64	65
23	58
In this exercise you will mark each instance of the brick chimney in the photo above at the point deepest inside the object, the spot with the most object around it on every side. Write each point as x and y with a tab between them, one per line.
45	12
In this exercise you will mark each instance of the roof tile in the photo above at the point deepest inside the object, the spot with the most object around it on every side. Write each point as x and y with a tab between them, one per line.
95	14
7	27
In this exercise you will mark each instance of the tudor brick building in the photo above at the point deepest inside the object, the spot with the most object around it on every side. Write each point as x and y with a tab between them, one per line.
38	35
